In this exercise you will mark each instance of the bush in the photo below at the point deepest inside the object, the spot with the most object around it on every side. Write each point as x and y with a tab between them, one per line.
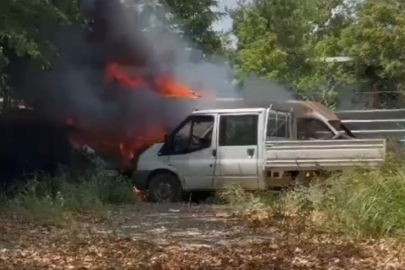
234	195
370	203
94	188
364	202
50	198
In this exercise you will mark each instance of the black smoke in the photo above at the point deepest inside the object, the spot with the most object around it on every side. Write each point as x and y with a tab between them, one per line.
75	84
75	87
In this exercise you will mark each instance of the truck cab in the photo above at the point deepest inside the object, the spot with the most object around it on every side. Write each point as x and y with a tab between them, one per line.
306	120
255	146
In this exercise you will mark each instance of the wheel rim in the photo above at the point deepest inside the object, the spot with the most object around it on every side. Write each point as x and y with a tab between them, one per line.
164	191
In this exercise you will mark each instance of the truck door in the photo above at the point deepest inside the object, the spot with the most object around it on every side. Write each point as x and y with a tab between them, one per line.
192	151
237	151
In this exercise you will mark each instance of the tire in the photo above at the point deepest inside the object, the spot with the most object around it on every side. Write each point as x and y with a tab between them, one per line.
165	188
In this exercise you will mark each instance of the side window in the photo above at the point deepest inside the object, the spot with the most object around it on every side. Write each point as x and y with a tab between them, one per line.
309	128
195	134
182	137
238	130
277	126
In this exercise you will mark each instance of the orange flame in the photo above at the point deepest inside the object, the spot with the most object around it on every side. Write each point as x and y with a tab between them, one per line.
130	145
164	85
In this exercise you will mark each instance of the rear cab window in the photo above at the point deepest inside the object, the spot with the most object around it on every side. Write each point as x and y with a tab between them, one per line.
277	126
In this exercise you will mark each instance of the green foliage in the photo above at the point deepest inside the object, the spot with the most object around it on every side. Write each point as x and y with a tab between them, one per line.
234	195
377	38
21	30
374	37
20	27
274	36
68	193
284	41
363	202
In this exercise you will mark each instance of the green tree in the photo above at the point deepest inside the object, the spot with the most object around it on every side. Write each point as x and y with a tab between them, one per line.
375	40
273	35
278	39
20	30
376	37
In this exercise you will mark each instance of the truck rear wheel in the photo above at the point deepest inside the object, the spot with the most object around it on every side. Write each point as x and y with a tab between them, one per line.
165	187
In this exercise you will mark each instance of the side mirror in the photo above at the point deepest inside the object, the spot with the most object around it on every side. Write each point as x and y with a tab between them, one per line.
166	138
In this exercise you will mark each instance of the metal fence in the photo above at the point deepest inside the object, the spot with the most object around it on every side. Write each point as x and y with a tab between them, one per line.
350	99
389	123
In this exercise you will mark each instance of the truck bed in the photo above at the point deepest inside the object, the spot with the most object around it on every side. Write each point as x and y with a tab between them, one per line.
324	154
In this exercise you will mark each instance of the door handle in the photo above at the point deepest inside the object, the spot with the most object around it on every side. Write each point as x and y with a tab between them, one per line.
251	152
214	152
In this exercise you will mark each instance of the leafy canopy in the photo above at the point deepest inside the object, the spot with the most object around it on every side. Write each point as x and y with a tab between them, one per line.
20	27
273	35
21	32
285	40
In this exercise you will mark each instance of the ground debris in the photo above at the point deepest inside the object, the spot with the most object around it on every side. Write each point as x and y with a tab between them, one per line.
80	246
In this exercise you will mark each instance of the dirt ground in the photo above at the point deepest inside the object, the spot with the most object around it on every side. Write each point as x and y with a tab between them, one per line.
184	237
192	225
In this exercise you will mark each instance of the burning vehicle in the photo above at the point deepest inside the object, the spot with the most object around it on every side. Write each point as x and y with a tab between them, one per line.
138	79
111	89
256	145
120	91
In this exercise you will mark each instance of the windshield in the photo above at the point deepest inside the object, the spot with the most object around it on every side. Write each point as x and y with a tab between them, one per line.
339	126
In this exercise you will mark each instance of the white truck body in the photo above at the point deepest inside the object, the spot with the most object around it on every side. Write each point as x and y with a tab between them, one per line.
323	154
248	147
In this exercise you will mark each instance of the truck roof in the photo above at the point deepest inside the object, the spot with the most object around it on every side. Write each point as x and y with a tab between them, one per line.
300	108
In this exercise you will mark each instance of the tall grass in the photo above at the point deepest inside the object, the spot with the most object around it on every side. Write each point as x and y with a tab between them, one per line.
52	198
367	202
364	202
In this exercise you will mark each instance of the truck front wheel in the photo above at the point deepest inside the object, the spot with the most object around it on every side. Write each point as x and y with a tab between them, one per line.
165	187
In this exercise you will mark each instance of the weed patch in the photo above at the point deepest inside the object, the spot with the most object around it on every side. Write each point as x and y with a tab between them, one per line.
362	202
53	199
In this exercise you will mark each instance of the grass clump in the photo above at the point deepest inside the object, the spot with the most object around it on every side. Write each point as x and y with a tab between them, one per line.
364	202
235	196
55	198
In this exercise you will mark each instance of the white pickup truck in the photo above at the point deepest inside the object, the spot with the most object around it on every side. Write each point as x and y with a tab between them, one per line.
257	145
